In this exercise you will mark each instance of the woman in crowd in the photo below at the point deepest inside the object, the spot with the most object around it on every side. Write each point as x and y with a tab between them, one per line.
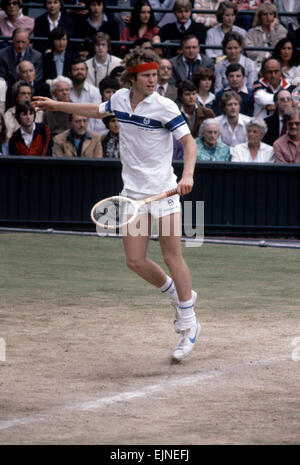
14	18
102	63
209	147
204	80
254	150
57	62
3	137
233	46
286	52
265	32
226	15
53	18
142	24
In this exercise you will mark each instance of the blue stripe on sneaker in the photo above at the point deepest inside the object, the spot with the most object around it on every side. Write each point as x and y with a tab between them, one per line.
193	339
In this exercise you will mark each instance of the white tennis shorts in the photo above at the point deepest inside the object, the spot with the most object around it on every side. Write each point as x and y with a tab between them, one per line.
159	208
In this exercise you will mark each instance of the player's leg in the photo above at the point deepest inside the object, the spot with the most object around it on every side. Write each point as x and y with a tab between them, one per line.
135	247
170	242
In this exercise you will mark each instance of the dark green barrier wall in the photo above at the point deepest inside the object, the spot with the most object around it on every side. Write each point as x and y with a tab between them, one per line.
239	199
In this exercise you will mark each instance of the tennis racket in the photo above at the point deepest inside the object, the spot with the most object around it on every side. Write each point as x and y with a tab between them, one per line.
118	211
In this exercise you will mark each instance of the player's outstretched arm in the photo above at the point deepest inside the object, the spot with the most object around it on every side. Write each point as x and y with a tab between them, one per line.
90	110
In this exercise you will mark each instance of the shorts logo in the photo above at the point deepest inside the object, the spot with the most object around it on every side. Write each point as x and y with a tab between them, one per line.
170	202
146	121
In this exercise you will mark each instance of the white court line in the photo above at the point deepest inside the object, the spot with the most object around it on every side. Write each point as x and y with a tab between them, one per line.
145	392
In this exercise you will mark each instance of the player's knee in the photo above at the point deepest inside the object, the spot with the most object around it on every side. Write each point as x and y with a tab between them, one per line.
135	264
172	259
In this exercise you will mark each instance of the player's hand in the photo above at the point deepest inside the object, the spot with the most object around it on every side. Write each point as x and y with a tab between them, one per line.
185	185
43	103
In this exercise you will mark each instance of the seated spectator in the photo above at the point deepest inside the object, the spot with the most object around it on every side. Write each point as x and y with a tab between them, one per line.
122	18
20	50
233	46
58	121
21	93
45	23
187	62
141	25
77	141
110	142
204	80
3	94
265	88
207	19
275	127
235	75
14	18
254	150
26	72
164	87
31	139
232	123
210	148
184	25
57	62
102	63
226	16
265	32
97	19
290	22
193	113
81	90
286	52
3	137
287	147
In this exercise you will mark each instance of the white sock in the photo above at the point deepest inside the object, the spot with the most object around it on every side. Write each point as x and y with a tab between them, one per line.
170	289
187	316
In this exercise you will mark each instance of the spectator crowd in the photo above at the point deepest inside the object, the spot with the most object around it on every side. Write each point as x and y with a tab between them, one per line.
235	77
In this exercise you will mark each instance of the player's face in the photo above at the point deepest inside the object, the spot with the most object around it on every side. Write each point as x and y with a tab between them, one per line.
211	135
233	51
183	15
145	82
236	80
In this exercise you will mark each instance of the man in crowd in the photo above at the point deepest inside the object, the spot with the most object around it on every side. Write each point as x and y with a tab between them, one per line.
188	61
266	87
283	102
81	90
56	120
287	147
163	87
26	72
175	31
232	123
20	50
235	74
77	141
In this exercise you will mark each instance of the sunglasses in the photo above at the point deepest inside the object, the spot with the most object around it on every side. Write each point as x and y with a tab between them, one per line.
294	123
12	3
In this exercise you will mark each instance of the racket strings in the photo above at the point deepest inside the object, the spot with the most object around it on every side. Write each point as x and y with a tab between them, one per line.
114	212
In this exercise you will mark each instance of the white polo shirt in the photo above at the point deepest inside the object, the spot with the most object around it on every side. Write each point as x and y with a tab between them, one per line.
236	136
146	143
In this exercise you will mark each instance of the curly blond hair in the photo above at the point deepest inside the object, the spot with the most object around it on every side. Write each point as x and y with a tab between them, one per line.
135	57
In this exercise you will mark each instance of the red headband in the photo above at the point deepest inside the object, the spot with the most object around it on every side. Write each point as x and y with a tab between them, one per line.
142	67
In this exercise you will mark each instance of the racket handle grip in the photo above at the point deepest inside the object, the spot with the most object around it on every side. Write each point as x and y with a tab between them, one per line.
171	192
161	196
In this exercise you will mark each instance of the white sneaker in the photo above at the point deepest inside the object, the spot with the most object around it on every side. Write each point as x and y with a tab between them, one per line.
176	316
186	341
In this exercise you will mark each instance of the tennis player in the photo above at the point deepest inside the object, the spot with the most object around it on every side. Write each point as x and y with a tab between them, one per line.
147	122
